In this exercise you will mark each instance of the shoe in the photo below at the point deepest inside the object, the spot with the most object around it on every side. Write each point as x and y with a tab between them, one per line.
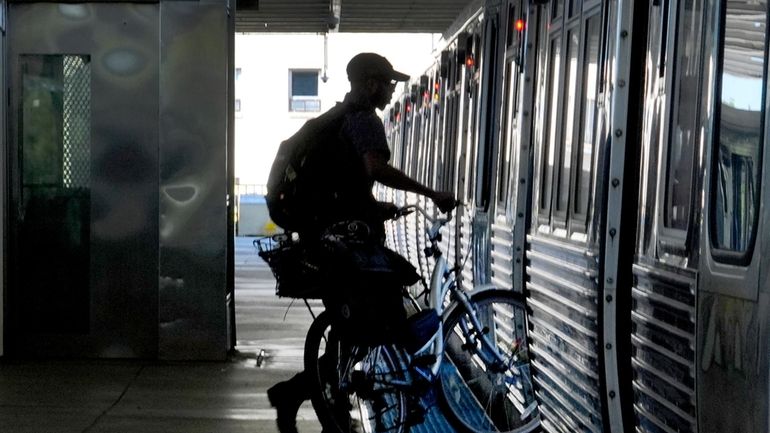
286	405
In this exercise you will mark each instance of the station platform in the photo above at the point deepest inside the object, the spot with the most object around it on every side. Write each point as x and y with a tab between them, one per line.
122	396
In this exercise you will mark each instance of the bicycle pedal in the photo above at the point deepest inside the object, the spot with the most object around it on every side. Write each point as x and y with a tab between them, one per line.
468	347
357	379
416	416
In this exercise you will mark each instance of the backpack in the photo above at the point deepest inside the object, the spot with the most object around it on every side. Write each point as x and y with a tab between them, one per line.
300	182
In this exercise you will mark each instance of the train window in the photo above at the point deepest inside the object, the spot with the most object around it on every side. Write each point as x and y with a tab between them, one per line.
508	128
679	184
450	150
585	142
568	123
551	128
740	110
557	9
512	30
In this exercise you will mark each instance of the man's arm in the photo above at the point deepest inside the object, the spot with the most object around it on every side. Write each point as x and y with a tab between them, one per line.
378	168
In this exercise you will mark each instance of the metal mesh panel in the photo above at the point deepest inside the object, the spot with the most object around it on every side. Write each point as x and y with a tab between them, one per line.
77	122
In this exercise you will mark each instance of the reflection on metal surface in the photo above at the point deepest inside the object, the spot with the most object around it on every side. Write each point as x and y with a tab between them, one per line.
663	337
731	338
124	61
74	11
181	194
193	207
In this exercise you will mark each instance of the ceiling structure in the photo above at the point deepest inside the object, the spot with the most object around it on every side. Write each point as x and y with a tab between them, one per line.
350	16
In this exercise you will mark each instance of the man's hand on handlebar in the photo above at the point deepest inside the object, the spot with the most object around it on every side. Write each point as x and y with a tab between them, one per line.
444	200
387	210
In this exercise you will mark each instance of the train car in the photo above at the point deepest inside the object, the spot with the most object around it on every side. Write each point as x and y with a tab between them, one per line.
609	158
699	333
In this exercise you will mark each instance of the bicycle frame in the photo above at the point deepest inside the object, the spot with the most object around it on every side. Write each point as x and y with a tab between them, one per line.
443	281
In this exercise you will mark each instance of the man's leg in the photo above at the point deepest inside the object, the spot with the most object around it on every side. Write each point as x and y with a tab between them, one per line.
286	397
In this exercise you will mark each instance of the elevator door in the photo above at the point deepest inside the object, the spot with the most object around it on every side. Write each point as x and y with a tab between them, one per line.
83	164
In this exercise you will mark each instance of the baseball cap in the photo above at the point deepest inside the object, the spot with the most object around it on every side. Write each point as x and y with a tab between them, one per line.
371	65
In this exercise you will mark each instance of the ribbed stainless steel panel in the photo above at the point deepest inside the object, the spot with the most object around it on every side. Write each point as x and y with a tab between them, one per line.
501	256
663	338
466	241
564	334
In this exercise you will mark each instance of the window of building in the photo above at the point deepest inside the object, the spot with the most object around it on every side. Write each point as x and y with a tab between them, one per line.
303	88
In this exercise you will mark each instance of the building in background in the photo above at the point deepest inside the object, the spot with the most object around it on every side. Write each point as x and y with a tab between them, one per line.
282	80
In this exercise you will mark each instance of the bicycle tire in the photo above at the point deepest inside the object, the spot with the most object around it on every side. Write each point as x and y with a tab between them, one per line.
334	395
509	403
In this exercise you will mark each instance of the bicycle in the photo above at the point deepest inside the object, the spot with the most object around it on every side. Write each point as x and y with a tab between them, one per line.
477	355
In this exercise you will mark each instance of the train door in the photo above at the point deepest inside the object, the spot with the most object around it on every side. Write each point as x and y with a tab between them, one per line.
427	110
585	84
733	302
665	271
83	158
451	95
472	64
483	146
513	155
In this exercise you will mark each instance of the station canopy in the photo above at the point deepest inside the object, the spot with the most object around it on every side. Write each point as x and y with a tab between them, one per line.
349	16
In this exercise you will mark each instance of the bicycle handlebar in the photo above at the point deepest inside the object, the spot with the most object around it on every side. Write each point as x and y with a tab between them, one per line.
434	231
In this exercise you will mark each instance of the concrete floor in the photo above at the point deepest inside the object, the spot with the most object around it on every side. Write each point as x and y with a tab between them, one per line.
148	397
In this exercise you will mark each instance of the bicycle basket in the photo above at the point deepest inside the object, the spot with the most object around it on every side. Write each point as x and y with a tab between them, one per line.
296	275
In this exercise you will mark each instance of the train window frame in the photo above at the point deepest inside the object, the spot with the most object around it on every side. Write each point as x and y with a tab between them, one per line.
508	152
563	171
417	143
558	186
437	123
507	160
676	239
550	136
726	255
557	10
578	221
472	141
488	114
451	117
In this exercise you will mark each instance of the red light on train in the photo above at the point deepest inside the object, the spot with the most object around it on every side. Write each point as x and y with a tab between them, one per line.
470	61
520	24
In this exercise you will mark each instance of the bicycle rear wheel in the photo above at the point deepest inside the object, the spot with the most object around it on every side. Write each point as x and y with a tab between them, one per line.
483	396
379	383
354	388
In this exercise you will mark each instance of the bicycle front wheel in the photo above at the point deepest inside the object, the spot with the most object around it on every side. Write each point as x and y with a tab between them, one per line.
484	378
354	388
